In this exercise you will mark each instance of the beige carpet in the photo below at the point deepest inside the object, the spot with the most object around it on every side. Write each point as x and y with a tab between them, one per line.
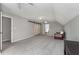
37	45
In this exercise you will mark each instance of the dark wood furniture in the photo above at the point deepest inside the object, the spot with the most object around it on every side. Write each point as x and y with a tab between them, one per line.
71	48
58	35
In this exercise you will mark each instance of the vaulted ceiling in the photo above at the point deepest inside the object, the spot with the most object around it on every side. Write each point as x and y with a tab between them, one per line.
61	12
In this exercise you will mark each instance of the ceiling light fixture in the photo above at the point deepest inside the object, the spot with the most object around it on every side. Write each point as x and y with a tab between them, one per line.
40	18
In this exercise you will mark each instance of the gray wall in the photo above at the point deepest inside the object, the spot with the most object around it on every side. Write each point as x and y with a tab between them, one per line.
72	29
22	29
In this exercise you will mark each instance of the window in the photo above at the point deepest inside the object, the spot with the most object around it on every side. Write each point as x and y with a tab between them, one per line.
46	27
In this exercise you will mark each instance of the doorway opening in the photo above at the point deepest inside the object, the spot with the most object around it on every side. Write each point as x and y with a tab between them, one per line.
6	32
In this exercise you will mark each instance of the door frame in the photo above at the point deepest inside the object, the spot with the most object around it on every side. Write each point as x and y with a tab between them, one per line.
1	32
2	15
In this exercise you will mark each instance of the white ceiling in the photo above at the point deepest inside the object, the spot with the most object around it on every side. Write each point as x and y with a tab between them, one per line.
44	11
66	11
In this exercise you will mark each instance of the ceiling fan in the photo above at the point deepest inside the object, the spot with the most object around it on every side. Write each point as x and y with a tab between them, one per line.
20	5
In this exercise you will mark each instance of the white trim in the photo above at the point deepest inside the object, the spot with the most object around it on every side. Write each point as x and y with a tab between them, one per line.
11	25
1	31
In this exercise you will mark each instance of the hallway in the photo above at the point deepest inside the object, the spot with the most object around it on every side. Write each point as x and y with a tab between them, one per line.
37	45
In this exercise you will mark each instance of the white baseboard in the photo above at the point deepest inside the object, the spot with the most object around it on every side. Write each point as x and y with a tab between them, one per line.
24	38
